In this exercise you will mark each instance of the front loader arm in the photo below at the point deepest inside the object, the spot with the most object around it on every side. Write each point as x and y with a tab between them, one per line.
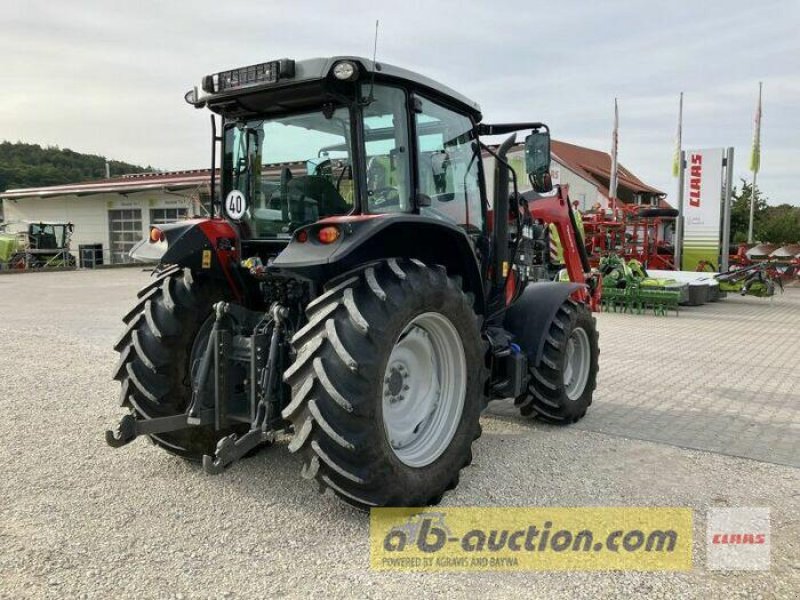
558	211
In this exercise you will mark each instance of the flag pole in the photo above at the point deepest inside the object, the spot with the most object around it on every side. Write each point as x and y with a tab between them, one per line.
752	209
755	163
612	188
678	139
677	171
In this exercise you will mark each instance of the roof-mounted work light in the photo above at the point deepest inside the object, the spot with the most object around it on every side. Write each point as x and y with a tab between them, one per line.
253	75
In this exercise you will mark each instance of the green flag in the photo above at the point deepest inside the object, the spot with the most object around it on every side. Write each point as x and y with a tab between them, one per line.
755	154
676	160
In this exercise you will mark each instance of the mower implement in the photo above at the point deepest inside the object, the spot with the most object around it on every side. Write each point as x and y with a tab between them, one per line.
356	288
627	287
760	279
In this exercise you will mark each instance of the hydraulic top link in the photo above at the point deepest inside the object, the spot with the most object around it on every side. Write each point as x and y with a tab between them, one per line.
233	447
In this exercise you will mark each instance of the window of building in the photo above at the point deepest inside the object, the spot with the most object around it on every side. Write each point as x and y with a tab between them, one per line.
125	229
448	162
162	216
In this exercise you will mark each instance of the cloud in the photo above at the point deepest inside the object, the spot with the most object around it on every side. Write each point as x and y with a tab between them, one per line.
108	76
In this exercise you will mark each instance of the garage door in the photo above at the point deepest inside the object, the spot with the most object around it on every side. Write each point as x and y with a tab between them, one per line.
125	229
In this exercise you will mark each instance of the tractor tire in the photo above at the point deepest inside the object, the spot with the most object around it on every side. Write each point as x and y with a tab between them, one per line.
155	349
18	261
388	386
560	389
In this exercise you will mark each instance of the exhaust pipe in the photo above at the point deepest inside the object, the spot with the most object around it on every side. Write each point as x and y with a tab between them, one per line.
501	180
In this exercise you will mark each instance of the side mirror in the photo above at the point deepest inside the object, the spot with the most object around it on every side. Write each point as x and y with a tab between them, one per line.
537	160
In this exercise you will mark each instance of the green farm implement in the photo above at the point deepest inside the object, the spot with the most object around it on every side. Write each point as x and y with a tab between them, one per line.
628	288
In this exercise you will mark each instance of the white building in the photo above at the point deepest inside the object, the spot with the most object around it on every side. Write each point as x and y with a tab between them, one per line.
587	172
112	213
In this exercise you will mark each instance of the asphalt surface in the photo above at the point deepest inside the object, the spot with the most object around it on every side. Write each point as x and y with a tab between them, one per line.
80	520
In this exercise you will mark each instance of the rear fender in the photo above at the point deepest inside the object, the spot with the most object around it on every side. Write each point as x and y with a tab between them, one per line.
207	246
368	238
530	317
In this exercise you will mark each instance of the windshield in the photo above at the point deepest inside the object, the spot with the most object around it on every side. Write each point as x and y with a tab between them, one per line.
45	236
292	170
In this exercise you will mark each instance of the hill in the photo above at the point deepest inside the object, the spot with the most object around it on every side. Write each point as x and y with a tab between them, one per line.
29	165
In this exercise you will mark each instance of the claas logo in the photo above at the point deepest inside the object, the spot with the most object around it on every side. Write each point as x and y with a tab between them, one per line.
695	178
738	538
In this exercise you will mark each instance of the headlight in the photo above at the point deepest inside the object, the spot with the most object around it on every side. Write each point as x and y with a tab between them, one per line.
345	71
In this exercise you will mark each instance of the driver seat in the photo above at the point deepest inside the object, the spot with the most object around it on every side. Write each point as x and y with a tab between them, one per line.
319	189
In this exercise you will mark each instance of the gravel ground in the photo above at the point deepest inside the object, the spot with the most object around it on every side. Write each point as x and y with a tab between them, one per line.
80	520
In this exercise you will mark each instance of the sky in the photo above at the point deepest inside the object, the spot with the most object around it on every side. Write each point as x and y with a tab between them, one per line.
108	77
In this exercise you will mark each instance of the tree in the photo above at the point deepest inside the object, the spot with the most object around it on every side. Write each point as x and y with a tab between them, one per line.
740	211
779	225
29	165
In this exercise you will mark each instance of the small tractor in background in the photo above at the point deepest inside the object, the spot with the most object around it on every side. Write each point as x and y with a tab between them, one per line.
357	288
26	246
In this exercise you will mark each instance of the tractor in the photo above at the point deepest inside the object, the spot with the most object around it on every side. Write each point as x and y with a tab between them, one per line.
356	288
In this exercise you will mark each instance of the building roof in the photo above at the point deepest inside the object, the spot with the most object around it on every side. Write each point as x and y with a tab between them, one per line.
595	167
594	164
129	184
140	182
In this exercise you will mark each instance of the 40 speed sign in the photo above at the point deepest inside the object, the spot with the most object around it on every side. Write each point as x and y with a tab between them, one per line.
235	205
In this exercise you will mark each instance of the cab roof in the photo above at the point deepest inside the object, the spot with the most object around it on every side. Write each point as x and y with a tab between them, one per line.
309	76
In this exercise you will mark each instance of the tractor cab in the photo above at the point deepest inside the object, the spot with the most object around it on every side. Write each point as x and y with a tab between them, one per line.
304	141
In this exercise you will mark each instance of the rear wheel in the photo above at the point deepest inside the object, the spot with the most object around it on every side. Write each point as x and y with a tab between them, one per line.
560	389
387	386
155	352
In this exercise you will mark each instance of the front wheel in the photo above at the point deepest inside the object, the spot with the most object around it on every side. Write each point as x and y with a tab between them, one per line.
560	388
387	386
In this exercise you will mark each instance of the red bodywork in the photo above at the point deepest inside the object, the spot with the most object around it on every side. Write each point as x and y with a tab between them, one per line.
556	210
218	231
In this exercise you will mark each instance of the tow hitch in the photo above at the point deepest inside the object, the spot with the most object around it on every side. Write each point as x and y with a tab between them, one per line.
252	343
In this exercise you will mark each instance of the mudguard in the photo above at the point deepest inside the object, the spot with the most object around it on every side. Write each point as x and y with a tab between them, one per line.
529	318
366	238
202	245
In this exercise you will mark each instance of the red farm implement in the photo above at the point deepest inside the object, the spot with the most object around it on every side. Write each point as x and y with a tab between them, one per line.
633	233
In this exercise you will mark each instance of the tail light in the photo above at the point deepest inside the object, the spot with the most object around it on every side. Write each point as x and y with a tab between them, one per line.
156	235
328	235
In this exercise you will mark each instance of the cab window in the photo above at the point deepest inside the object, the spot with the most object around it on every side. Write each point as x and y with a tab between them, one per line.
386	146
448	160
292	169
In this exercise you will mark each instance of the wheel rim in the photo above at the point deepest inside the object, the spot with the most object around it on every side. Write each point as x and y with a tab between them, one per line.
424	389
577	363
